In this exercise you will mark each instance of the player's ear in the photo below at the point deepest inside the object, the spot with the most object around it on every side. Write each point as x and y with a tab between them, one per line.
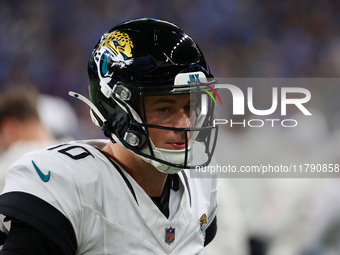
8	131
8	126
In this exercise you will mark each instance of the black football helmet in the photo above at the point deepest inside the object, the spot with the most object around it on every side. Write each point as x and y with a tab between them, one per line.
150	57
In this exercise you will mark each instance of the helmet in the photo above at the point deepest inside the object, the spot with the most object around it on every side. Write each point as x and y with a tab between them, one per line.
148	57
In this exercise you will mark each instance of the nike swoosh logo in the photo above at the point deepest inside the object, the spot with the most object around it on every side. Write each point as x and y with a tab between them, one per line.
43	177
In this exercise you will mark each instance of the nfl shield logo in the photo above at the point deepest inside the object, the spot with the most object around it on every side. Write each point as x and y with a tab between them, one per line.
169	235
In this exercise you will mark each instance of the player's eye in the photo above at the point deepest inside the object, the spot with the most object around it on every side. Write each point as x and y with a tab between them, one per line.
189	108
163	109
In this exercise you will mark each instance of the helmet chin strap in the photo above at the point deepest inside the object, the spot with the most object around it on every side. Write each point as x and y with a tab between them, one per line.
173	156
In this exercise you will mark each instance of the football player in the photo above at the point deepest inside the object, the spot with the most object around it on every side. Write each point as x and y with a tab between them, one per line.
132	193
21	126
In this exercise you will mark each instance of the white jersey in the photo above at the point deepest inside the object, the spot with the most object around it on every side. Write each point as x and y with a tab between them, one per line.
79	197
17	150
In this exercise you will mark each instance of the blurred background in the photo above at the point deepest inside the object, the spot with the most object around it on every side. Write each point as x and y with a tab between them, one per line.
47	44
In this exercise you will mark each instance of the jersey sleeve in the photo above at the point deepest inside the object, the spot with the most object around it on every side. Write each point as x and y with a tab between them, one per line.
40	192
212	211
24	239
211	232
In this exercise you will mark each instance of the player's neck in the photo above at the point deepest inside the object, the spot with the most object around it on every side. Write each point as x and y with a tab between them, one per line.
34	130
148	177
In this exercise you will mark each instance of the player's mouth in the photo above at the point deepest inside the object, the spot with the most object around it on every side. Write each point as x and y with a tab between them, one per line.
178	145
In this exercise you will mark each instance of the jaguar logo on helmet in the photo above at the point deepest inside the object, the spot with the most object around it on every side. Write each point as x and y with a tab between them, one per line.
119	43
115	49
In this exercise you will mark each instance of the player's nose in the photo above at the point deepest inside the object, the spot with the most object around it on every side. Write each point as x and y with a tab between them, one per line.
182	120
